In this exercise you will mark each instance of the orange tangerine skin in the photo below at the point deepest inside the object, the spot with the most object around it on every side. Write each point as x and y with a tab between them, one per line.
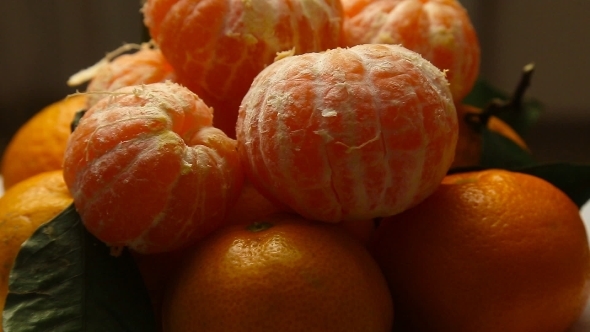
147	170
39	144
488	251
217	47
145	66
296	275
23	208
440	30
348	134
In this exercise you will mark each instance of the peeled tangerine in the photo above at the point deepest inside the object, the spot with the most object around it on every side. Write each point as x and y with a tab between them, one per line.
217	47
147	170
440	30
145	66
348	134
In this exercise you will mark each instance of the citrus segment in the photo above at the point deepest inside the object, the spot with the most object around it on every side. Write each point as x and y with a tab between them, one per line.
145	66
348	134
218	47
147	170
440	30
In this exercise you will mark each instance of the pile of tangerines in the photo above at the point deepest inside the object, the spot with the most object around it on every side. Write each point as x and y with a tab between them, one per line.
280	165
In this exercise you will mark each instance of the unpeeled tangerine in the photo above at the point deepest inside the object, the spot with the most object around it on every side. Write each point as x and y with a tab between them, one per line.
348	134
147	170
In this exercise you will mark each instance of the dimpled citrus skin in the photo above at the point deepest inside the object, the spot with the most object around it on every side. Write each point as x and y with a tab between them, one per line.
440	30
145	66
147	170
348	134
39	144
283	273
217	47
23	208
488	251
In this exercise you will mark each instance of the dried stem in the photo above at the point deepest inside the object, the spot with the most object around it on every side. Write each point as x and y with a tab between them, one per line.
497	106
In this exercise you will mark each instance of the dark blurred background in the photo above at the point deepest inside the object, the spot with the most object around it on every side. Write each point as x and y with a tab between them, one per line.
44	42
556	37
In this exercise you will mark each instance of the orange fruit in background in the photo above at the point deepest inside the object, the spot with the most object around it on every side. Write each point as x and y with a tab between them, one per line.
469	145
283	273
251	206
218	47
39	144
440	30
23	208
145	66
348	134
488	251
148	171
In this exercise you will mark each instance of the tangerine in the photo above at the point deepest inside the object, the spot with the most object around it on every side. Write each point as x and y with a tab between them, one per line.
469	145
147	170
348	134
218	47
23	208
440	30
490	250
251	206
282	273
145	66
40	143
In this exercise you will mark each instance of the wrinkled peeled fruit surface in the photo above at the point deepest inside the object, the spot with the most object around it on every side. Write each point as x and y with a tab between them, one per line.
145	66
147	170
217	47
352	133
440	30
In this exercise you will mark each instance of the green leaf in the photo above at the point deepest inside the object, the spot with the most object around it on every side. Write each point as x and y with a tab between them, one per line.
521	116
500	152
573	179
483	93
64	279
77	116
